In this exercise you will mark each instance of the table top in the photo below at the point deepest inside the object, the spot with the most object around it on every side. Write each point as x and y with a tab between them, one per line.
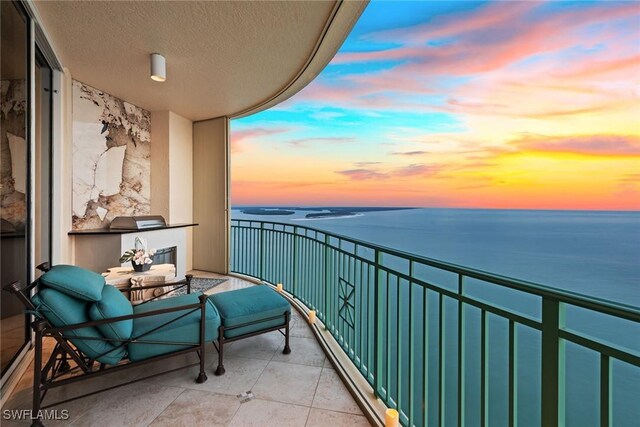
121	276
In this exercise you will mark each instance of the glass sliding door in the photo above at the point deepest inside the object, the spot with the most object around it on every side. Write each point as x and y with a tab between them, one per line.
43	155
14	177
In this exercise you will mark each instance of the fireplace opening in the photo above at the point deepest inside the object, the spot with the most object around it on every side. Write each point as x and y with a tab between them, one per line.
166	256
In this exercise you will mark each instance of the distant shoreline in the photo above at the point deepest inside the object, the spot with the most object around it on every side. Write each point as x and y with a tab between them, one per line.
317	212
328	216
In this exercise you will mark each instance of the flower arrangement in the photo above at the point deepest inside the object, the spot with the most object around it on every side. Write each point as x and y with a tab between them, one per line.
141	258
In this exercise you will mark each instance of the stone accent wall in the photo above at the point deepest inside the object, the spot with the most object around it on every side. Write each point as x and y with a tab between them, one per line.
13	155
111	158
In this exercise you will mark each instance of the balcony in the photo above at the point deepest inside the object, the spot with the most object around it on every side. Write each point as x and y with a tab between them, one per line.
444	344
297	389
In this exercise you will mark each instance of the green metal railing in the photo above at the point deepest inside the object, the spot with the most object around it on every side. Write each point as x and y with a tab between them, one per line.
418	329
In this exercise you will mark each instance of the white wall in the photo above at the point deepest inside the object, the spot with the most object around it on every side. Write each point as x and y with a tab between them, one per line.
172	170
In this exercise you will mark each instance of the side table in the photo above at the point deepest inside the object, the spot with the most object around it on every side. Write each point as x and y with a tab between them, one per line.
124	277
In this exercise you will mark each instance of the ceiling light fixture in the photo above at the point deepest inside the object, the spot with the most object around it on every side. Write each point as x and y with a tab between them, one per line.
158	67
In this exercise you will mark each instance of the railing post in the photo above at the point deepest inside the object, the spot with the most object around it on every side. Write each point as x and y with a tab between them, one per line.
294	277
261	255
553	364
461	354
377	360
326	281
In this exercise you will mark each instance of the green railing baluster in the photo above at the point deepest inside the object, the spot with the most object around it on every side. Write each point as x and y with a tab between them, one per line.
294	274
484	370
388	342
377	358
513	374
461	353
361	317
441	356
552	363
411	348
425	356
605	391
398	345
261	255
327	253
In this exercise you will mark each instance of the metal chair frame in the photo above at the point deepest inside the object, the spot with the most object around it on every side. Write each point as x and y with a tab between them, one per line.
57	370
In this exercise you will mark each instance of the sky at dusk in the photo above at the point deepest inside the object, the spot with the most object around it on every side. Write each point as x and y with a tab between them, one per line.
502	104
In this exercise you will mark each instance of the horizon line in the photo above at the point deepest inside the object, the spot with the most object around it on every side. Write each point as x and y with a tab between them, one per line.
274	206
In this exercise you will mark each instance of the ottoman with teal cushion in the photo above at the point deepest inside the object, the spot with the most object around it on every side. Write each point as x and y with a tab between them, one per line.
250	311
180	326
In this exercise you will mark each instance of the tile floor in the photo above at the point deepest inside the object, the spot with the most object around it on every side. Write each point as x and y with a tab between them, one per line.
298	389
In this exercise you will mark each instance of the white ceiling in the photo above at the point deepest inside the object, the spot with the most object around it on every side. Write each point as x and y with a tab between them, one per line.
223	58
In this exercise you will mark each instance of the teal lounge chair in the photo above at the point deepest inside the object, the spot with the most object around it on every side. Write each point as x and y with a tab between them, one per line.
95	326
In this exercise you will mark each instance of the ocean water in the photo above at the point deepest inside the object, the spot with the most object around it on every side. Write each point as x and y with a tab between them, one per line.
590	253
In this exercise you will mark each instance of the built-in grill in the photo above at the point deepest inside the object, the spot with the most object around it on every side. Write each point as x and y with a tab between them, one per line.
137	222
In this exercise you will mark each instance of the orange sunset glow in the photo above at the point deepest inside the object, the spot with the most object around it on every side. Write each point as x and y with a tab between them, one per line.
524	105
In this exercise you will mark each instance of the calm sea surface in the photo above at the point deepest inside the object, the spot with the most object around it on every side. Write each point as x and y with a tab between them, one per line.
591	253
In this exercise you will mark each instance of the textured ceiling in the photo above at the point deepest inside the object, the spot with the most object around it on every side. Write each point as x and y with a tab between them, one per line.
223	58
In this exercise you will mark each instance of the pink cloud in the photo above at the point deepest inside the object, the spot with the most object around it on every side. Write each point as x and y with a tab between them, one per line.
326	140
490	43
600	145
412	170
361	174
253	134
409	153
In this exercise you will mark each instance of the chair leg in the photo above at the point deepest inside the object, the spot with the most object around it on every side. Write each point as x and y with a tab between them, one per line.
220	370
287	349
64	366
37	375
202	376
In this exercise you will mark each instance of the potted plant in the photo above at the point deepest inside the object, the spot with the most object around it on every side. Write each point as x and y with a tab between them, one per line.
141	258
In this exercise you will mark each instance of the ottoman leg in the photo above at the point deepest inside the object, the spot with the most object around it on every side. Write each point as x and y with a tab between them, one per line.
287	349
220	369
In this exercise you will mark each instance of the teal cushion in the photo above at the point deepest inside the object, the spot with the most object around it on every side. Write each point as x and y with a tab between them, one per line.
75	281
113	304
185	331
63	310
250	305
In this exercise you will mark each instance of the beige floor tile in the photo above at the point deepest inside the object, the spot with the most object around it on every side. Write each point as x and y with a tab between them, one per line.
241	375
199	408
333	395
324	418
304	351
134	405
21	398
261	347
284	382
262	413
300	328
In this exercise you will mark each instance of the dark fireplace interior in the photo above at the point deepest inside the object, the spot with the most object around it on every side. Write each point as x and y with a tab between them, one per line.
166	256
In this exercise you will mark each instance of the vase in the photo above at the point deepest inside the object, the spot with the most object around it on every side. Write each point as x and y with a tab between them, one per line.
140	267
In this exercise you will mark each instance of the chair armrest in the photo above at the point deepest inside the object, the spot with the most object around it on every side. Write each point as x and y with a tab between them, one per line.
193	307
